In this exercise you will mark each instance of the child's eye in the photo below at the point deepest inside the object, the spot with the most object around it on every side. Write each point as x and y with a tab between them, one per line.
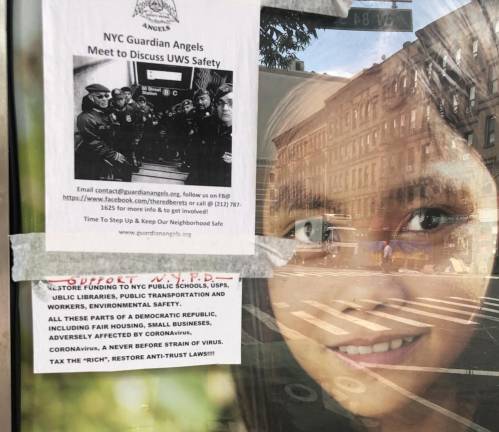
427	219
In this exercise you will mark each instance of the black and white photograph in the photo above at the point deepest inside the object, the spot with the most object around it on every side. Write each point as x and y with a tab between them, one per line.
141	122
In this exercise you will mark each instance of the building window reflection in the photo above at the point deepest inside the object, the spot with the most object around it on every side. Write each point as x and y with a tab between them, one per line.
455	103
470	138
490	131
472	97
459	56
493	83
445	60
474	48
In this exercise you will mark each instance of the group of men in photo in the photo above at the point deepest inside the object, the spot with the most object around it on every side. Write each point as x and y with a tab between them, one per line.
116	133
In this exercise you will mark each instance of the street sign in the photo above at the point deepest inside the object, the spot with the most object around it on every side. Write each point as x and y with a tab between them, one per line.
371	19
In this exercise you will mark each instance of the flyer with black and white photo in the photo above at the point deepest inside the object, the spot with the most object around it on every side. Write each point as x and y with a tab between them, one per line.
125	322
150	125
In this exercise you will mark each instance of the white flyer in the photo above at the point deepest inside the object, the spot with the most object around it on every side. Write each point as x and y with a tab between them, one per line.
127	322
150	125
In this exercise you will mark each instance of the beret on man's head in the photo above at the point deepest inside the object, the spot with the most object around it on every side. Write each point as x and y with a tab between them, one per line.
97	88
124	89
223	90
202	92
141	99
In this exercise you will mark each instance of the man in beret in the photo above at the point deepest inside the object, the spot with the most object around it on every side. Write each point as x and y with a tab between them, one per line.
202	100
220	163
187	106
186	130
204	133
204	110
127	91
223	103
124	120
95	157
148	124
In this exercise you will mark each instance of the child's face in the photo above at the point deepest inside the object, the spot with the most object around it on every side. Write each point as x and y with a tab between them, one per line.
350	313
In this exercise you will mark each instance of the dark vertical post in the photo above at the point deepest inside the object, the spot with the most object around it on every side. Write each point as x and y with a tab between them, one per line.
5	324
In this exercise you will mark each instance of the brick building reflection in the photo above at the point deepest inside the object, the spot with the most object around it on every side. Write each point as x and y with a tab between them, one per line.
351	147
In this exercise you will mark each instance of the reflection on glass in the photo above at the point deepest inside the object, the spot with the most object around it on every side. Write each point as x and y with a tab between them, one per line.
385	317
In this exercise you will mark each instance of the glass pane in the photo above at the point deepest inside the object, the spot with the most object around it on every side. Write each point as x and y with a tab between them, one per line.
386	317
392	332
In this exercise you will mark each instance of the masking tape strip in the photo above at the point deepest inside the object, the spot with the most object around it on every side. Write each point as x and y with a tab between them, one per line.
33	262
337	8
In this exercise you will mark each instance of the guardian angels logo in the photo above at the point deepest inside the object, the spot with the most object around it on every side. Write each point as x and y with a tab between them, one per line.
158	14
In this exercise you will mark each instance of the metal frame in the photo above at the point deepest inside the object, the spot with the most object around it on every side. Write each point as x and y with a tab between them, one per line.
5	300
